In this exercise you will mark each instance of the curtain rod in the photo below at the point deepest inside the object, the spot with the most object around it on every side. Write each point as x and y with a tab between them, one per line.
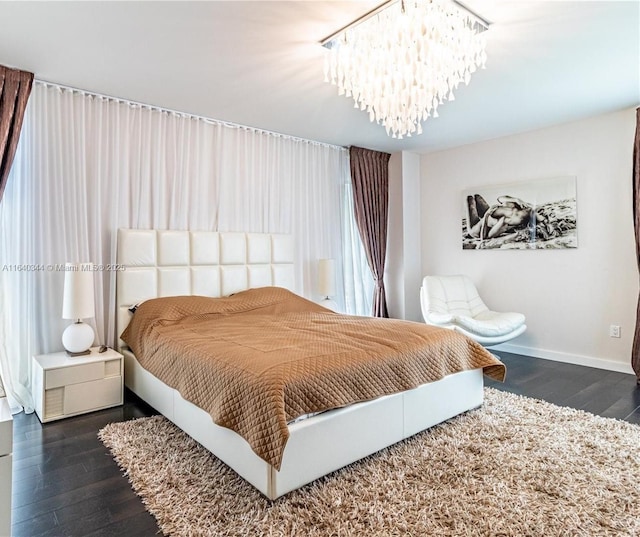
188	115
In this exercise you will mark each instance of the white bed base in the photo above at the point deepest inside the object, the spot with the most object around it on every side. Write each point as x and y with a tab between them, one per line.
317	446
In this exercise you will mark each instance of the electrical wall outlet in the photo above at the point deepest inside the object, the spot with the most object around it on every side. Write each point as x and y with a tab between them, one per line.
614	330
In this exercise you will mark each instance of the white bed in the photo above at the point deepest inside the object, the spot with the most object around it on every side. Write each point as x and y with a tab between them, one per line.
168	263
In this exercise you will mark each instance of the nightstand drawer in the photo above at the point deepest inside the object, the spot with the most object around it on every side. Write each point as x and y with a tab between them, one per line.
74	374
84	397
91	395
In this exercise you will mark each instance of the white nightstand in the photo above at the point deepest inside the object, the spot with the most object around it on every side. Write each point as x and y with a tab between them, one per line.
6	447
65	386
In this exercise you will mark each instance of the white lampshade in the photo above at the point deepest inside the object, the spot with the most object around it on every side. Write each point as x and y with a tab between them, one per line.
327	277
78	302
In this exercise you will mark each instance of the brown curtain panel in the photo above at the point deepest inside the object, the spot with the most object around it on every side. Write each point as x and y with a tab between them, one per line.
370	179
635	351
15	88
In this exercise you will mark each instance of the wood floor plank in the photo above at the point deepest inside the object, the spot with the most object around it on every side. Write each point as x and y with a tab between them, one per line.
96	489
120	502
34	525
634	417
82	525
134	526
68	486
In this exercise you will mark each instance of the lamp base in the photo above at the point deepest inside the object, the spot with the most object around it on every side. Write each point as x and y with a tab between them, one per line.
77	338
74	354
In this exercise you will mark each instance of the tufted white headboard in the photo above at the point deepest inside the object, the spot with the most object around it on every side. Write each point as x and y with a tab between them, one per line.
167	263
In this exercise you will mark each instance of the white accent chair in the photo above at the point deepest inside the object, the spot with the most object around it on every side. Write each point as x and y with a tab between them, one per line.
453	302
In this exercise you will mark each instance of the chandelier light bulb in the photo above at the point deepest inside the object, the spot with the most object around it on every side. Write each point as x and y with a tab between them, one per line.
403	62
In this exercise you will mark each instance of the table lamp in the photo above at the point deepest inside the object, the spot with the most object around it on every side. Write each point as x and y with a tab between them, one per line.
78	304
327	282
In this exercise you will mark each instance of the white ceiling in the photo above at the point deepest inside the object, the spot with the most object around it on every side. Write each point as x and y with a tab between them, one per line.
260	64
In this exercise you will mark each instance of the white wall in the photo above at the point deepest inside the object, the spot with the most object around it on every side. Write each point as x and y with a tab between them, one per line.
412	235
393	268
403	271
570	297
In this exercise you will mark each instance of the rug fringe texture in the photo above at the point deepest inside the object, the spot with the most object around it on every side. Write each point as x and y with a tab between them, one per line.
514	467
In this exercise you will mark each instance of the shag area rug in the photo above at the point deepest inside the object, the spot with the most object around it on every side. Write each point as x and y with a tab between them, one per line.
516	466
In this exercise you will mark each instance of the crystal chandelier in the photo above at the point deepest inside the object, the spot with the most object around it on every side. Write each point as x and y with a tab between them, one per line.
402	60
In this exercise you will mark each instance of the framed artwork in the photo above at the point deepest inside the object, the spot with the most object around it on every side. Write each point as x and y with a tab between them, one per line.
529	215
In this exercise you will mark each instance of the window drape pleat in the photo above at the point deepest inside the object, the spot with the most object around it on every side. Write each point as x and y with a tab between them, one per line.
15	88
370	180
635	352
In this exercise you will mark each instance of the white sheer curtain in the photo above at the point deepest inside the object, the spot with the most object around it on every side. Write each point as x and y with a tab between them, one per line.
358	278
88	165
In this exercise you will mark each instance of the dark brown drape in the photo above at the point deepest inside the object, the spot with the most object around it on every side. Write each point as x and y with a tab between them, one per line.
635	351
15	88
370	178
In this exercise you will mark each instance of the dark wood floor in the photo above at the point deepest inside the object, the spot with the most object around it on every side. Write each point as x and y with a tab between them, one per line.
605	393
65	482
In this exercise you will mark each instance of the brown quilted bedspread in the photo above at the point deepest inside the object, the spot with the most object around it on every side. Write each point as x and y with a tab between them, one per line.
262	357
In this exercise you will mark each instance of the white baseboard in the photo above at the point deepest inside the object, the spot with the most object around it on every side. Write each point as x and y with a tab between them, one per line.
576	359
